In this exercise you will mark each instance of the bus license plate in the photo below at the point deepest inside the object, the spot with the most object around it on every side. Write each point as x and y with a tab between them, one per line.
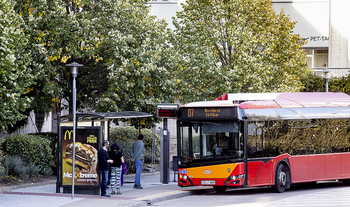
208	182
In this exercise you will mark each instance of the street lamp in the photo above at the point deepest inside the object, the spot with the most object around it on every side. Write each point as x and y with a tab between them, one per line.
74	71
326	77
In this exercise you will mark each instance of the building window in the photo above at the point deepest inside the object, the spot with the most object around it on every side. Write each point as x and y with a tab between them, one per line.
317	58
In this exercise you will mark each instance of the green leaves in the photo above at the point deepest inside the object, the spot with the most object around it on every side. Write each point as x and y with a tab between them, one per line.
236	46
128	61
15	75
31	148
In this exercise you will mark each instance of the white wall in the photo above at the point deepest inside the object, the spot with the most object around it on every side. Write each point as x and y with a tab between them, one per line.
312	17
164	10
339	33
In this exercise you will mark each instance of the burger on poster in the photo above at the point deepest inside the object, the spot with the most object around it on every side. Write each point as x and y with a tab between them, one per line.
85	156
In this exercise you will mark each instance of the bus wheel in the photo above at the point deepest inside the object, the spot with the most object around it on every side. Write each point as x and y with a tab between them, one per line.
220	189
280	179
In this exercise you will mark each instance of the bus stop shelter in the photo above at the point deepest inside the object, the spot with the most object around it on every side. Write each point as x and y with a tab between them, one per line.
86	120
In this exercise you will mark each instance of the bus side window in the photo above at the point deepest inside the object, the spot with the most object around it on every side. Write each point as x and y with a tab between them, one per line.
259	139
255	139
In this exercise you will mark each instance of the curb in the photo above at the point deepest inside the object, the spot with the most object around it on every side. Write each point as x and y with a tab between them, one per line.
53	182
150	200
28	185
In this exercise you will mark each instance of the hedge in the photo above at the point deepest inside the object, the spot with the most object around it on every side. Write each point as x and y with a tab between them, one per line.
31	148
126	136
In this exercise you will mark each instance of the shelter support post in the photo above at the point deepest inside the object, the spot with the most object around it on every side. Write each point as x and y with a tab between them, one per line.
58	153
165	148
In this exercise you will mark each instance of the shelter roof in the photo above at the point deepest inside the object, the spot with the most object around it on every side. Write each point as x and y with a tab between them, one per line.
109	115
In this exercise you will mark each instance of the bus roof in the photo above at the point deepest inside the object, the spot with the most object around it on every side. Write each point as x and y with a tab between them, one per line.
300	100
277	100
286	100
277	106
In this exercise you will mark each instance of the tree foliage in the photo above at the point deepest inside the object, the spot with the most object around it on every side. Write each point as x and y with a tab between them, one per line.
15	75
127	61
316	83
313	83
236	46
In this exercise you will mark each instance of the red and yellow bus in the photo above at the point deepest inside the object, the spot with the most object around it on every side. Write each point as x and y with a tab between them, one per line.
264	139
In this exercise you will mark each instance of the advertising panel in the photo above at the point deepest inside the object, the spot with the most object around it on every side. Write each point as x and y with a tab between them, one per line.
86	155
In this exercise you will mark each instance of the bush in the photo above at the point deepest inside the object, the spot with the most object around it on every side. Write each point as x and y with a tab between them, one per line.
2	169
313	83
126	136
52	137
30	148
316	83
16	168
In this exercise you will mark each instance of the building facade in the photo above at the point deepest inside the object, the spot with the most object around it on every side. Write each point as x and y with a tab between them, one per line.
323	23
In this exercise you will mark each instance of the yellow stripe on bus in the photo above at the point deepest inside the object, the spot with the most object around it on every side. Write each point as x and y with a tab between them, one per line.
214	171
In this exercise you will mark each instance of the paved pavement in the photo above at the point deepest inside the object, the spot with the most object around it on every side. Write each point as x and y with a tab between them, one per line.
153	191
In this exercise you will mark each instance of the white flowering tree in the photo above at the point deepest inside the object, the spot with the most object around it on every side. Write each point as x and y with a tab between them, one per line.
236	46
15	75
127	63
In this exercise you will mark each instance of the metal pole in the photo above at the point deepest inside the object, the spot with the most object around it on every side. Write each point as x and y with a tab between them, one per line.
74	73
326	71
74	132
165	151
58	152
245	159
153	161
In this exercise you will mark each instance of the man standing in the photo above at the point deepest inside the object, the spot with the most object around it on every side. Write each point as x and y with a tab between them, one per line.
103	163
136	157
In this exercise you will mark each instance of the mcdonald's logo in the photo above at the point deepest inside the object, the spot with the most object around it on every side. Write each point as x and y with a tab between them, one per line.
69	132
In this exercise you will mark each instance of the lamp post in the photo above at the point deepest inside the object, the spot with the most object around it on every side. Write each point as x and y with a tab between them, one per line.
58	148
74	72
326	77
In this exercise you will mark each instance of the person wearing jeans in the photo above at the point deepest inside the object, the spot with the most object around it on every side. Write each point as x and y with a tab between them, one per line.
138	166
104	183
103	163
136	154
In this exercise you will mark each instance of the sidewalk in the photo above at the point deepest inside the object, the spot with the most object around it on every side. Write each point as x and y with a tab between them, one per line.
153	191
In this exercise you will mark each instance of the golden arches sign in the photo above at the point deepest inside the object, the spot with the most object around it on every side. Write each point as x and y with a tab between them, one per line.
69	133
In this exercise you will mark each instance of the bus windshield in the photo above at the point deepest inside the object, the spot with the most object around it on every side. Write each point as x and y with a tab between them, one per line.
208	141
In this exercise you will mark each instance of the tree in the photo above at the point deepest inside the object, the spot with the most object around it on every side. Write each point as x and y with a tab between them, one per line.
15	75
236	46
126	65
141	73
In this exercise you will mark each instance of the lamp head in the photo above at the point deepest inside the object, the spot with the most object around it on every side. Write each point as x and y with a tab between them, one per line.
74	68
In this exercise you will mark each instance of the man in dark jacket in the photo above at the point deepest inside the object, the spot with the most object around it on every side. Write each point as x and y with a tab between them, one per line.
103	163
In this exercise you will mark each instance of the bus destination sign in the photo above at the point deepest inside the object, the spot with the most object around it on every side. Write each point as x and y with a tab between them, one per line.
166	113
167	110
210	113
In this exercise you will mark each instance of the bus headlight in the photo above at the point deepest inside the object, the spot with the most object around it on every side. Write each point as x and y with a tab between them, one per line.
235	177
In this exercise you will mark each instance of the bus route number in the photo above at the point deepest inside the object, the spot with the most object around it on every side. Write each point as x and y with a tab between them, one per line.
190	112
205	112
